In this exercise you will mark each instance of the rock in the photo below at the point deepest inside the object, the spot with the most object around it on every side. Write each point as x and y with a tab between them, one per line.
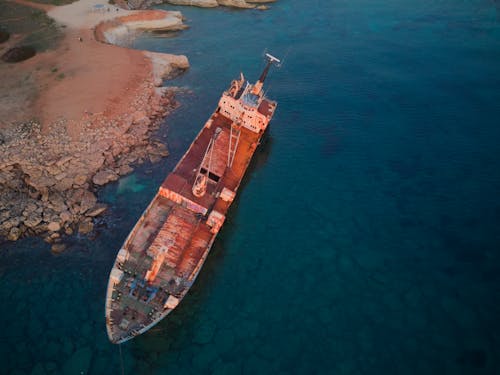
33	220
63	161
139	116
97	210
48	239
60	176
88	200
10	223
125	169
4	215
53	169
64	184
103	177
65	216
14	234
140	129
29	208
57	202
33	172
54	226
58	248
94	162
80	180
68	231
41	182
158	149
85	227
154	158
235	3
196	3
166	66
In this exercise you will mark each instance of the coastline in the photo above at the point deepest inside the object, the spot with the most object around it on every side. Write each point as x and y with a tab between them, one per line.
94	122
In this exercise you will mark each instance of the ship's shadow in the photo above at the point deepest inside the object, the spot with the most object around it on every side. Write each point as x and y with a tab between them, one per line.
180	325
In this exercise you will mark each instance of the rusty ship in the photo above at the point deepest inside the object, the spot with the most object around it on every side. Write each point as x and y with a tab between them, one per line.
164	252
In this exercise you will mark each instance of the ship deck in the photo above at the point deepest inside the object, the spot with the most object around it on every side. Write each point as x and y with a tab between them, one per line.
172	239
182	178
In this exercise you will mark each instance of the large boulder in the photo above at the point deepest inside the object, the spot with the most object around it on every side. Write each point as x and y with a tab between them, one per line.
235	3
166	66
85	227
33	220
97	210
54	226
14	234
103	177
196	3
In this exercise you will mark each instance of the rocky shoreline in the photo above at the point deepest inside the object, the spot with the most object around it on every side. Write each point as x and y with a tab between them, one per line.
49	175
50	172
48	182
243	4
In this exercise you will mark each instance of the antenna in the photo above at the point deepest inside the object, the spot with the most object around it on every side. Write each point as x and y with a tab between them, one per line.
273	60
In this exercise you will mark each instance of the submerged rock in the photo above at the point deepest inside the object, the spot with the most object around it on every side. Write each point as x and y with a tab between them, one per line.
18	54
196	3
54	226
235	3
58	248
85	227
97	210
103	177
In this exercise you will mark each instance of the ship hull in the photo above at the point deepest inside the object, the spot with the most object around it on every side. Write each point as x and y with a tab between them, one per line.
165	251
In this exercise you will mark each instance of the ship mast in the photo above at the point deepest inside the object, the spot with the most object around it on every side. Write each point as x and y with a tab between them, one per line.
201	180
270	61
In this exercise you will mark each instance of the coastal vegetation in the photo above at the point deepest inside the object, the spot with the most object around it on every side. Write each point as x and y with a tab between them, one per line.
28	26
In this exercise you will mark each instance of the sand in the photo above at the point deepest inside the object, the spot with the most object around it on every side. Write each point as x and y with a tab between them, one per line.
98	78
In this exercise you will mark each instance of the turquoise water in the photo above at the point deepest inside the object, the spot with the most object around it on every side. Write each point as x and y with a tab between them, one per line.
366	238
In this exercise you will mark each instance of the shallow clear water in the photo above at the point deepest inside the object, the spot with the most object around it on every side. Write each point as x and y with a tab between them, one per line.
366	238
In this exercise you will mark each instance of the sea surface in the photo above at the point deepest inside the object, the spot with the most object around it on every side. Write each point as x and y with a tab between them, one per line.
366	236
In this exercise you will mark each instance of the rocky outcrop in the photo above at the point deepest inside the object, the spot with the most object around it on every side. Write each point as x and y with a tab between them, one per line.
235	3
48	182
143	4
166	66
196	3
122	30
